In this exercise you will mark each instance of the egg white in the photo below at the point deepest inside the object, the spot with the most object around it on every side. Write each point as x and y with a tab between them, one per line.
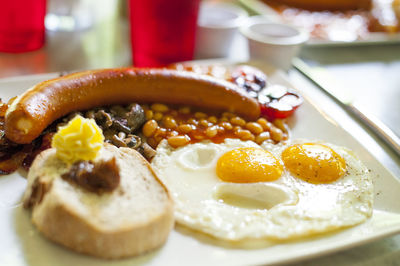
283	209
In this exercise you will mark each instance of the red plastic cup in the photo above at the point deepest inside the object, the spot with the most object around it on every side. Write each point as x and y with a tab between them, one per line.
22	25
162	31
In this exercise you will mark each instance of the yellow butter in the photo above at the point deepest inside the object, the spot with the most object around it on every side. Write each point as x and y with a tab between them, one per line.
80	139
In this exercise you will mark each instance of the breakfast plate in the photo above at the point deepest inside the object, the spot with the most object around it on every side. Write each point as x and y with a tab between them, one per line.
22	244
336	37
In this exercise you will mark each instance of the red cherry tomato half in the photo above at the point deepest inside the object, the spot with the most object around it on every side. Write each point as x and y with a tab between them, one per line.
277	101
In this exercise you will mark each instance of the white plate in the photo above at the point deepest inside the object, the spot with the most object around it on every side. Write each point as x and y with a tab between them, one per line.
260	8
22	244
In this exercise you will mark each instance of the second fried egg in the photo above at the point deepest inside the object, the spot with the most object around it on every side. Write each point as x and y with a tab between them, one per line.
240	191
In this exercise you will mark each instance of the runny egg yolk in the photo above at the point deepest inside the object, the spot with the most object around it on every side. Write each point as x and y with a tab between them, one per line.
246	165
314	163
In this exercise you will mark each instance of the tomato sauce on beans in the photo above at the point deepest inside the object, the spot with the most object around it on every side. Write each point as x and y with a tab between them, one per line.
184	125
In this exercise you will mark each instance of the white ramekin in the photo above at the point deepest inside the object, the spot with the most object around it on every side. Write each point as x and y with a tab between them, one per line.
275	43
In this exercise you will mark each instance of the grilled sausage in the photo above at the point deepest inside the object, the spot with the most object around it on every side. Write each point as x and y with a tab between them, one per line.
38	107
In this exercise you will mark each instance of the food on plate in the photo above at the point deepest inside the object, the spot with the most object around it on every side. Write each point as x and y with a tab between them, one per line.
248	165
122	123
314	162
278	102
184	125
340	21
275	100
80	139
110	205
219	145
12	155
119	125
223	189
250	78
30	113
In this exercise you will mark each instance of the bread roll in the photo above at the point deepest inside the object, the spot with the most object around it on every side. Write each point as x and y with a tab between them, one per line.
134	218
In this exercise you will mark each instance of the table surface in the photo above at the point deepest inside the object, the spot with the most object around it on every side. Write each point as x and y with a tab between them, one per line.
370	73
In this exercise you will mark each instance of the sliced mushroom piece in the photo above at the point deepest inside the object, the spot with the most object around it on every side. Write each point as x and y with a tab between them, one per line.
118	141
133	141
122	135
103	119
109	133
147	151
135	117
121	125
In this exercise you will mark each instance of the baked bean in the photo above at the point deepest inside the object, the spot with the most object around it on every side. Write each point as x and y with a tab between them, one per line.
186	128
264	123
152	142
204	122
226	125
198	136
211	131
160	134
244	134
280	124
254	127
184	110
228	115
169	122
157	116
173	133
270	125
221	130
238	121
237	128
178	141
159	107
200	115
213	119
149	128
200	126
193	121
148	114
262	137
276	134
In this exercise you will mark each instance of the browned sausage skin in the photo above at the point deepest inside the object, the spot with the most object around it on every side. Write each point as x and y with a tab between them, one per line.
34	110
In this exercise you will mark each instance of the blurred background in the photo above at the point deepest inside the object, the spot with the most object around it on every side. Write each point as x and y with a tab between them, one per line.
80	34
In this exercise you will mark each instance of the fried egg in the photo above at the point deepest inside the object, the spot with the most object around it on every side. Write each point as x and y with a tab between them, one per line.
238	190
